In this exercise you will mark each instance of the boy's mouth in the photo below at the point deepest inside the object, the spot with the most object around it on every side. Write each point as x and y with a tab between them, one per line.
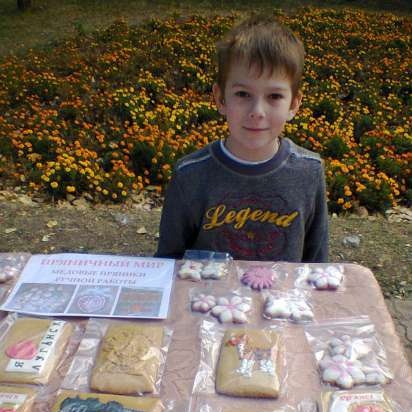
255	129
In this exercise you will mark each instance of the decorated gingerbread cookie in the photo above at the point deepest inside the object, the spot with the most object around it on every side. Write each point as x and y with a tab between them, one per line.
214	270
191	270
232	309
328	278
283	308
203	303
258	277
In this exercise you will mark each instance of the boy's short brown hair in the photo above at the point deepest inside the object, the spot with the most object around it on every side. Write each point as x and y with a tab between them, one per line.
263	43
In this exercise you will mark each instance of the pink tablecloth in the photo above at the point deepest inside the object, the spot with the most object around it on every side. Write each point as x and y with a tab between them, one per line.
361	296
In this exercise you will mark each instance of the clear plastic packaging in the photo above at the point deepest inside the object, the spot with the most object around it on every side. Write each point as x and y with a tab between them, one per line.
226	307
82	401
320	276
240	361
13	398
203	264
123	358
293	306
31	349
11	265
348	352
226	405
258	275
368	400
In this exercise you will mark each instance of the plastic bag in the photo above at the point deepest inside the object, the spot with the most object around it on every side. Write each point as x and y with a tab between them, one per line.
203	264
123	358
32	348
240	361
79	401
11	265
320	277
368	400
348	352
224	306
292	305
258	275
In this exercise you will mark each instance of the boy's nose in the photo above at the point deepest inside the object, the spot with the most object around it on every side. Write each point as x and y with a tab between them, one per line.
256	111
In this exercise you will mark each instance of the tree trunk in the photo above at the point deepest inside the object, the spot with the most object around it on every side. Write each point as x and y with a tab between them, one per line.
24	4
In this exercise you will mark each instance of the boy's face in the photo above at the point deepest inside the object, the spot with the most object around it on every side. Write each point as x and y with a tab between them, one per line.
256	109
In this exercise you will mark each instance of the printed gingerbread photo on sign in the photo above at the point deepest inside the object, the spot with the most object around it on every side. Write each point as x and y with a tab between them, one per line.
42	297
31	349
139	302
98	300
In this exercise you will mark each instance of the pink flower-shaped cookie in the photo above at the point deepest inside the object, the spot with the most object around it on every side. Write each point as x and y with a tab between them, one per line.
191	270
341	371
203	303
232	309
258	277
323	279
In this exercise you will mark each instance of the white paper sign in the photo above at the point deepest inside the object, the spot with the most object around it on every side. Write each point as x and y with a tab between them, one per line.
93	285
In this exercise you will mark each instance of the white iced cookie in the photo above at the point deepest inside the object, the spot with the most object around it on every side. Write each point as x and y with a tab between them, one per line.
276	308
352	349
373	376
329	278
191	270
232	309
340	371
203	303
281	308
214	270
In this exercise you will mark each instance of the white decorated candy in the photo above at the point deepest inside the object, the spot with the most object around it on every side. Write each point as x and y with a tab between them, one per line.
203	303
232	309
191	270
277	308
322	279
213	270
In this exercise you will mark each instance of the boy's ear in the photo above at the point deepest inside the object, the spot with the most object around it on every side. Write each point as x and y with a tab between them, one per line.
295	104
219	99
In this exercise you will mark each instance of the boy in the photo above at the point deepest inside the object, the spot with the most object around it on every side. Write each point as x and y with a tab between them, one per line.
254	195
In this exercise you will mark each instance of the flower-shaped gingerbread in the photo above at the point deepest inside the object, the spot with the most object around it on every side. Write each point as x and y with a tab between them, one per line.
287	309
203	303
191	270
351	349
214	270
341	371
374	376
258	277
328	278
232	309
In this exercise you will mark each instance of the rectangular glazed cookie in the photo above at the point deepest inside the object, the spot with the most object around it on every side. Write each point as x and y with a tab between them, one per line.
31	350
73	401
128	360
16	399
353	401
247	364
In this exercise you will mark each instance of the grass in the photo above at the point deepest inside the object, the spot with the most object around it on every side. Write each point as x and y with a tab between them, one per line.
51	20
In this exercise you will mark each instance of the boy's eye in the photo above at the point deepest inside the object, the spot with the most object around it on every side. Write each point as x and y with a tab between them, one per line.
275	96
241	93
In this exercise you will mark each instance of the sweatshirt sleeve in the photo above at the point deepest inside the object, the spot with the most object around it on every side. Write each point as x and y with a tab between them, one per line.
177	232
315	247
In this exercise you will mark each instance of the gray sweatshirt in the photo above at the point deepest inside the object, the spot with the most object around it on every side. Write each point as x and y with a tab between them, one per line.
273	211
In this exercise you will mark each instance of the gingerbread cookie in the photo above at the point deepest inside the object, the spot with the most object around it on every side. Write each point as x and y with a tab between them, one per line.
214	270
31	350
355	401
191	270
258	277
128	360
283	308
15	399
247	364
76	401
325	279
232	309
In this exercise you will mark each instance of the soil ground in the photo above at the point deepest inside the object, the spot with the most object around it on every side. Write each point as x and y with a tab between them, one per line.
132	229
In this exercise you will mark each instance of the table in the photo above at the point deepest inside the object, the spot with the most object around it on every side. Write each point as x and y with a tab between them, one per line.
361	296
